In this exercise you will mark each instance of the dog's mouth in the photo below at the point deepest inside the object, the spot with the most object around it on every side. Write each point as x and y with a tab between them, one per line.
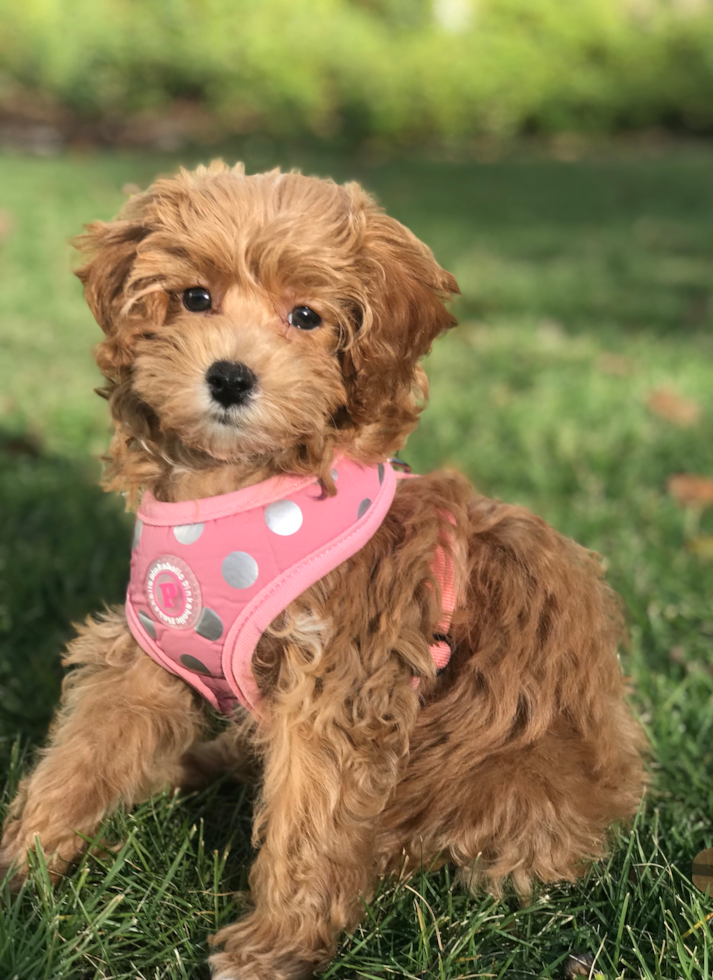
229	417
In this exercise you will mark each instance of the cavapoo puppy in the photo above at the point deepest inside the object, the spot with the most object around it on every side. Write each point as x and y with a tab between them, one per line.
418	674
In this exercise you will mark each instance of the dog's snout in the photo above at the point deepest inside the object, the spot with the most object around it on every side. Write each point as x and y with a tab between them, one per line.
230	383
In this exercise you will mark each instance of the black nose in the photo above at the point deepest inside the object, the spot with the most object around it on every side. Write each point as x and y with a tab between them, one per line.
230	383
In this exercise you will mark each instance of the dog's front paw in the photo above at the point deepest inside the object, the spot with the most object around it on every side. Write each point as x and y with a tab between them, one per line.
254	950
19	838
13	857
227	966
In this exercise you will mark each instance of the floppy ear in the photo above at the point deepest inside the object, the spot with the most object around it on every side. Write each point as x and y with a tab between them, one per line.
111	248
402	313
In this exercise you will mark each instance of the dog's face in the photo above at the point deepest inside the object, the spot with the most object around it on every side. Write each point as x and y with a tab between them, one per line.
269	317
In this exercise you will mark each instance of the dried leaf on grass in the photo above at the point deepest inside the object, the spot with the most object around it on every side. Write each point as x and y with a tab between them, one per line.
691	491
669	405
703	869
614	364
677	655
5	224
581	965
702	546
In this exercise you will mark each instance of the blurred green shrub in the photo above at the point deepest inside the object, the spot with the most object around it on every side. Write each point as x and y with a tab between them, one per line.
397	69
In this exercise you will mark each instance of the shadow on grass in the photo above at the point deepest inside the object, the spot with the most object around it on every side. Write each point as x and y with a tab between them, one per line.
64	552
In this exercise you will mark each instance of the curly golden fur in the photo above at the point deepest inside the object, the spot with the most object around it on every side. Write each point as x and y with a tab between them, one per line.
514	762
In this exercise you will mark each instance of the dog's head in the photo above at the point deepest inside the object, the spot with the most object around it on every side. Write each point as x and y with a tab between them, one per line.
261	320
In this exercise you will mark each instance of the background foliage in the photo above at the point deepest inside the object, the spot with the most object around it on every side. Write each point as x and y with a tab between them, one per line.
396	70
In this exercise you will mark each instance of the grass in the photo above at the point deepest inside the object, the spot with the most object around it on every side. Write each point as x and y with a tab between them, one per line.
586	286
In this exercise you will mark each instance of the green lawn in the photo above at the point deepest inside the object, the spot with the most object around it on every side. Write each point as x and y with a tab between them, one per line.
586	286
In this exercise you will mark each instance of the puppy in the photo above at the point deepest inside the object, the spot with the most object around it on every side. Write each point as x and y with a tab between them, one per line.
420	674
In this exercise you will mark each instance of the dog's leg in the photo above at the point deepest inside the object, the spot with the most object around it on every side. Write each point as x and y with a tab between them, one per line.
331	762
122	727
545	810
534	813
231	753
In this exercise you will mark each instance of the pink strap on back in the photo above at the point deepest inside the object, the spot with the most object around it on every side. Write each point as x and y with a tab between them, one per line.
444	571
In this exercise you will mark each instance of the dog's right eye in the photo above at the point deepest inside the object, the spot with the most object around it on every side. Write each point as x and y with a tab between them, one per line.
196	299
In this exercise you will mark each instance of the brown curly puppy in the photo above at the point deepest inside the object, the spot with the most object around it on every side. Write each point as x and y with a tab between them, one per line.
513	761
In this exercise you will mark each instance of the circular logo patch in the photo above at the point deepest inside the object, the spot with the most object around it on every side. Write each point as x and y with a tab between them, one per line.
173	592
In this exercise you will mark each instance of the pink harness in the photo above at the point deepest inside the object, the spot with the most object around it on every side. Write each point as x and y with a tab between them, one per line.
208	576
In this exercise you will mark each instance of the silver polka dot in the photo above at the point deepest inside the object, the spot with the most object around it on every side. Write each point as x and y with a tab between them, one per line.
240	570
138	528
335	475
188	533
148	624
193	663
363	507
381	472
283	517
209	625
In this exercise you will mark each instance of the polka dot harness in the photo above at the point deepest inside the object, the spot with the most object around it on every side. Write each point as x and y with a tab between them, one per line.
208	576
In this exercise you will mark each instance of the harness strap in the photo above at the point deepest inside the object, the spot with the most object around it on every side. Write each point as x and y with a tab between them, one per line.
444	572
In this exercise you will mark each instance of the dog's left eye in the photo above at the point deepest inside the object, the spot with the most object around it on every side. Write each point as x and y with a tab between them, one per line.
196	299
304	318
